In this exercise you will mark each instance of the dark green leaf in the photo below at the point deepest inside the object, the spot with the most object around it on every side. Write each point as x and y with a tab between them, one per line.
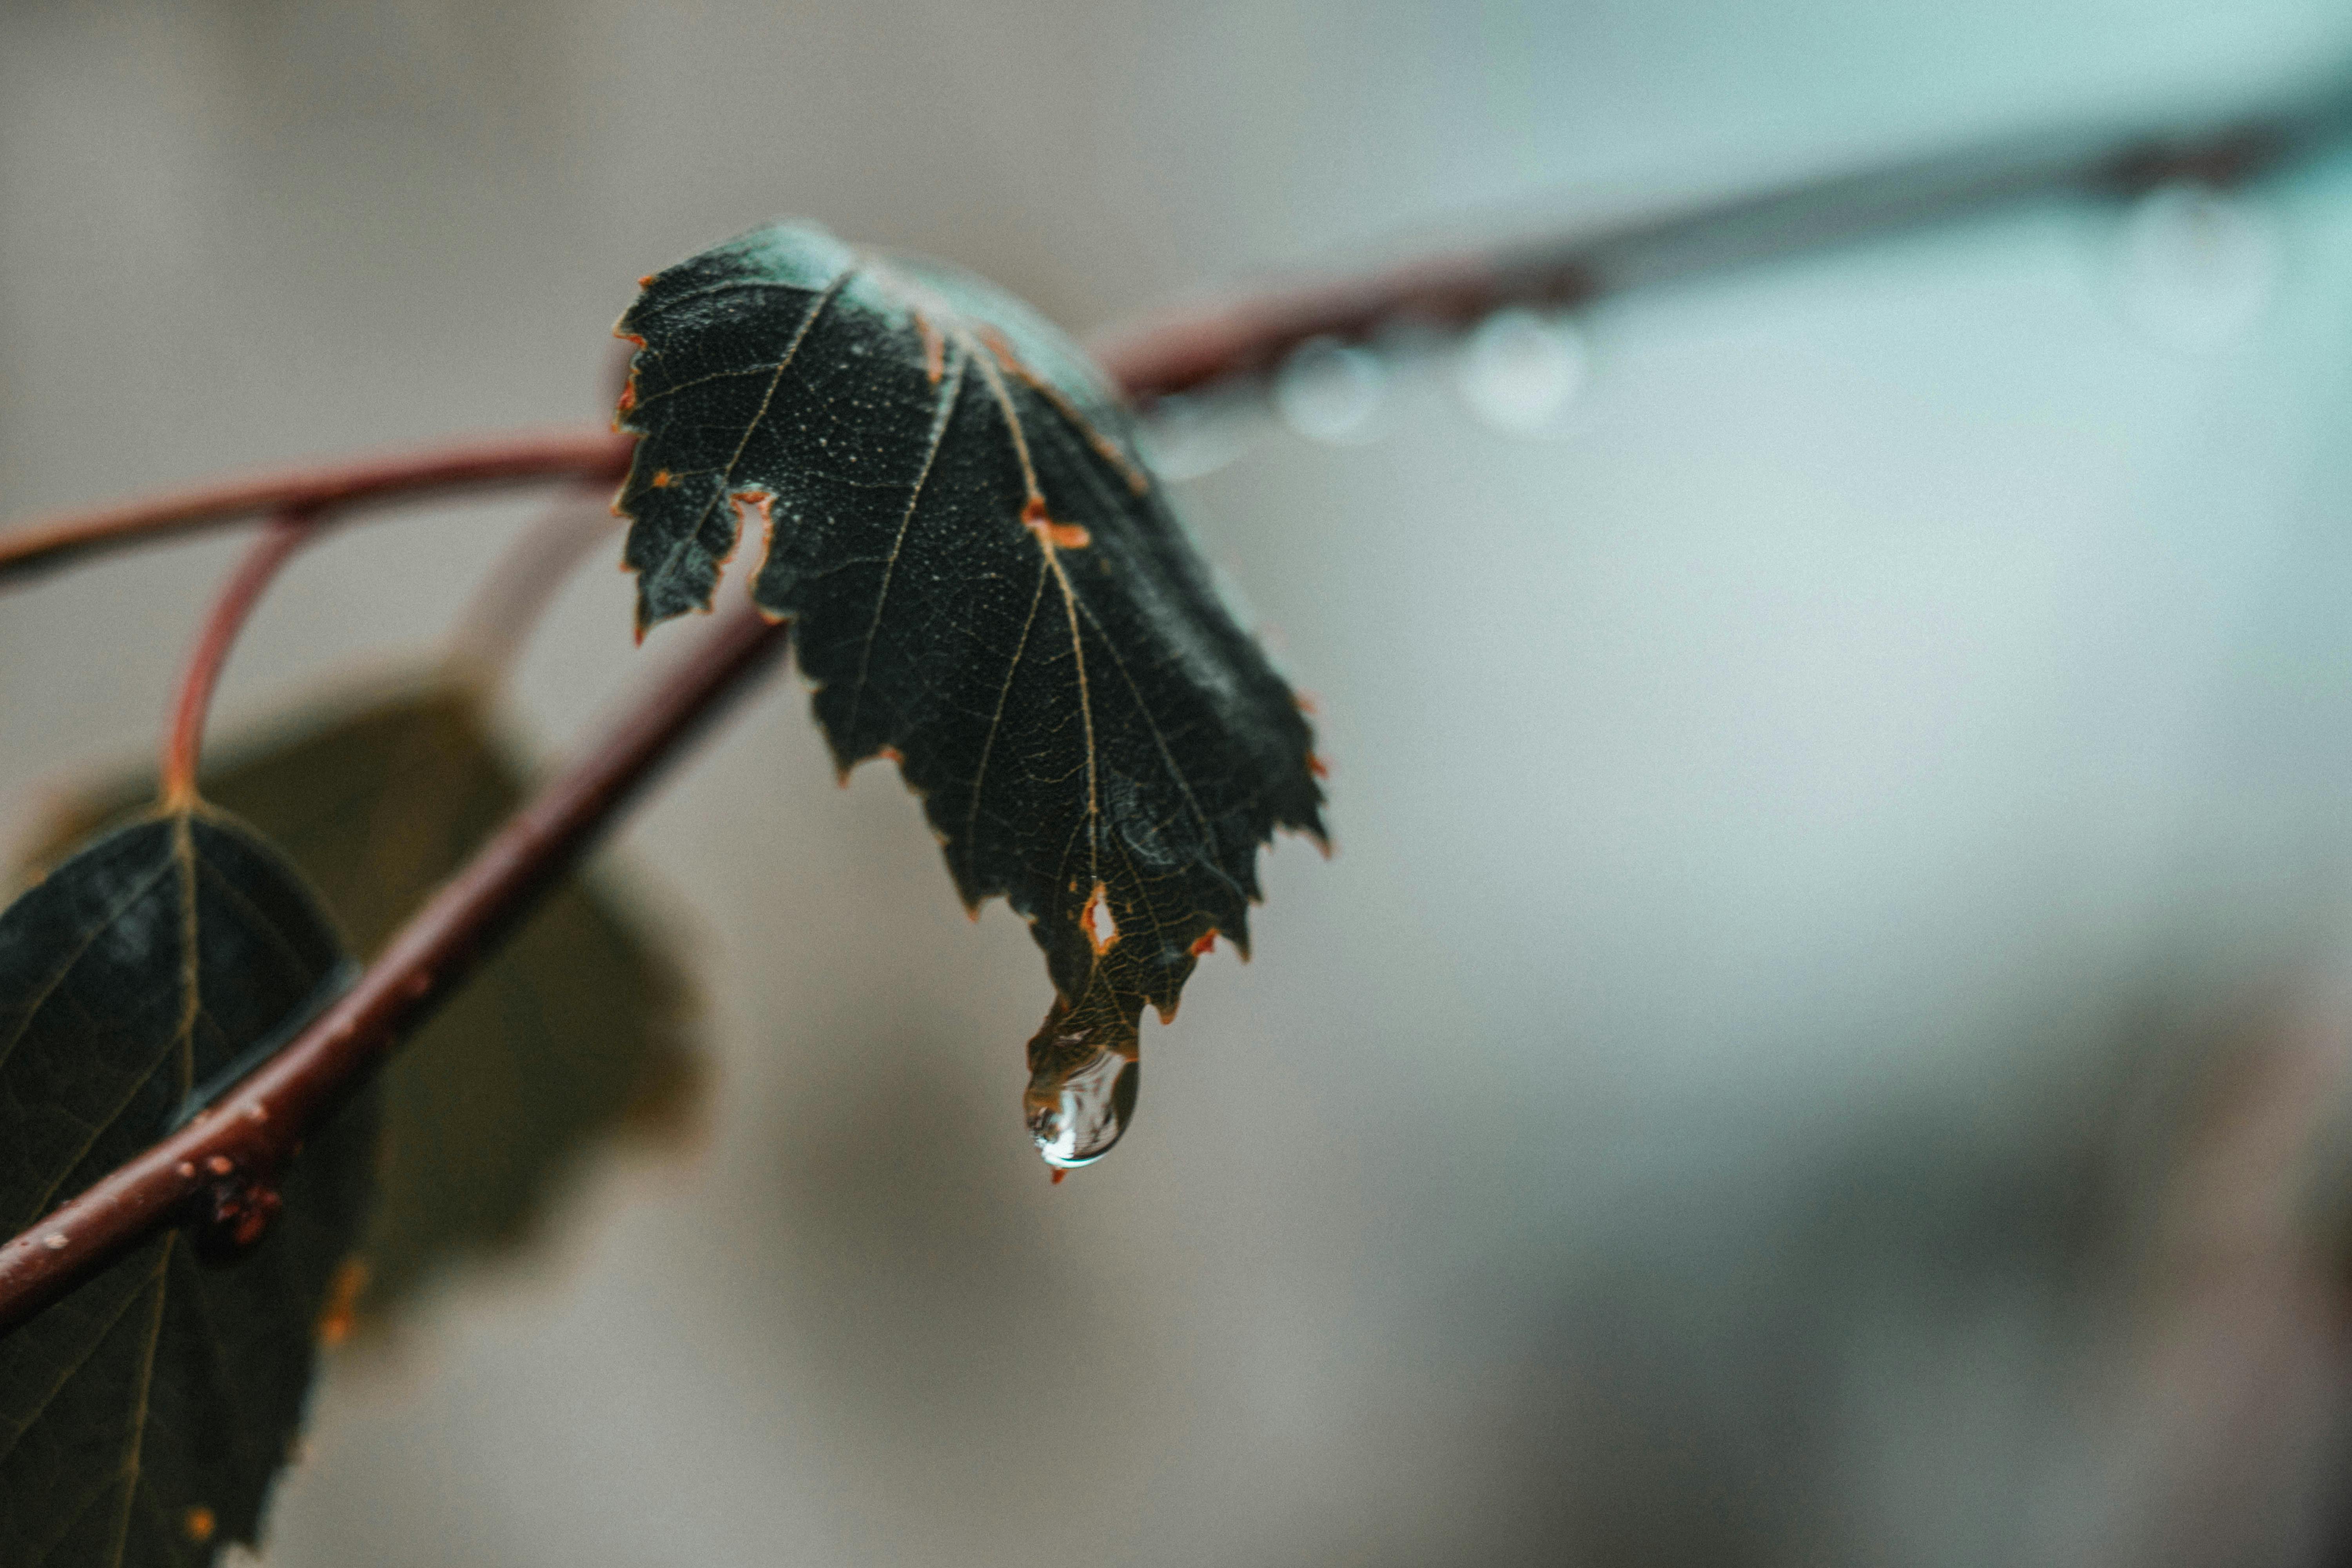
142	1417
984	581
575	1028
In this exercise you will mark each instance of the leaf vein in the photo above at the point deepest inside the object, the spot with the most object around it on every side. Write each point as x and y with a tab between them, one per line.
1167	753
96	930
799	336
951	391
995	724
32	1418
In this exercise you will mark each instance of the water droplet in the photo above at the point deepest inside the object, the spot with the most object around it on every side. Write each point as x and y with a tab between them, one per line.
2200	265
1328	391
342	1302
1083	1077
55	1241
1520	370
1188	434
1077	1115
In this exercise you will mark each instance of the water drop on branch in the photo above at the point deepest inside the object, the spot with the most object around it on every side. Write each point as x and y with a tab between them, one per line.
2199	265
1188	434
1520	370
1328	391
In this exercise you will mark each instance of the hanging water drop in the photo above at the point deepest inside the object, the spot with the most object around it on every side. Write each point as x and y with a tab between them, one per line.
1328	391
2200	265
1077	1119
1520	370
1081	1093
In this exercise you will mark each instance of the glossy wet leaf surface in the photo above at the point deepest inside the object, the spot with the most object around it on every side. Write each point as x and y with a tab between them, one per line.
573	1031
142	1417
986	584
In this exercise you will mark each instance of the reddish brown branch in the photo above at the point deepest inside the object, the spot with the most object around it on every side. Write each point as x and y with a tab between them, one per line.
183	726
520	458
254	1129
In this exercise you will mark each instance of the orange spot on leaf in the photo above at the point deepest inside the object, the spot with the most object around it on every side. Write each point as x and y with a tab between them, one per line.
1006	359
934	348
1207	944
342	1302
1059	1174
1097	921
647	282
1057	536
199	1523
661	479
1317	766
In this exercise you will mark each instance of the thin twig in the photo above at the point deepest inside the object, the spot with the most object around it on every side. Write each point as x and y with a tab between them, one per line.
587	453
249	1135
1239	342
183	726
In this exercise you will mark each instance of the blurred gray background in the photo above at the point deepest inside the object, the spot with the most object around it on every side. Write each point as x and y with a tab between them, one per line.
1819	1042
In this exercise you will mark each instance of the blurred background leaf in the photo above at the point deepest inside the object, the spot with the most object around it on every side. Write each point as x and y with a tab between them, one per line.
576	1029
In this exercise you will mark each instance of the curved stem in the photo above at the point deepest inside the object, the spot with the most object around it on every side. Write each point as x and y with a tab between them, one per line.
255	1128
183	727
586	454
